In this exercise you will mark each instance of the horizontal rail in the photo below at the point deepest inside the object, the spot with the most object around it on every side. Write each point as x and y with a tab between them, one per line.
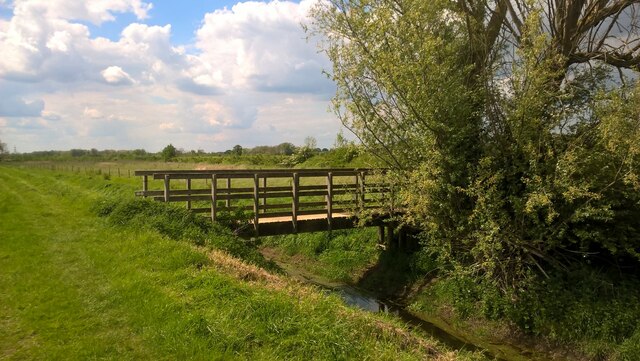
139	173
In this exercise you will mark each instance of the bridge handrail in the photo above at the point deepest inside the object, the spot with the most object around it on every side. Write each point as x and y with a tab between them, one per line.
261	193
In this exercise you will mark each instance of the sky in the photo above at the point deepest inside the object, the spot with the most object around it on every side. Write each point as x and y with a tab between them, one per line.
128	74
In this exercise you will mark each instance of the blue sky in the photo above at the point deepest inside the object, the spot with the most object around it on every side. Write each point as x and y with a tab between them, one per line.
124	74
184	16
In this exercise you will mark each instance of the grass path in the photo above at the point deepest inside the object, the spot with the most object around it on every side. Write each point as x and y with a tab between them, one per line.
74	287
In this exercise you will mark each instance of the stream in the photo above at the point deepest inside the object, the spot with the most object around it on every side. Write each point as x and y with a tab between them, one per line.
369	302
360	299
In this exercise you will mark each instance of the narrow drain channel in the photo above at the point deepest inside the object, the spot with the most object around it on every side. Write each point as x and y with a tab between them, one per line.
360	299
366	301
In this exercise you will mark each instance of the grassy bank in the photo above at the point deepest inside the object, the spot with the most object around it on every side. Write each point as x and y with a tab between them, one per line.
77	285
578	314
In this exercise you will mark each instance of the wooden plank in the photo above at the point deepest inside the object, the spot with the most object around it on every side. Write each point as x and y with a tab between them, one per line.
278	174
150	193
177	192
182	198
228	201
277	189
202	176
336	171
275	206
264	186
313	188
294	206
166	187
362	189
311	225
329	199
214	197
280	194
235	190
256	189
340	202
189	190
145	183
200	210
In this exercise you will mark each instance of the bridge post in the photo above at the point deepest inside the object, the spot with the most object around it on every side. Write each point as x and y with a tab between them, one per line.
214	196
264	193
167	178
391	241
256	188
145	184
362	190
294	206
381	239
228	201
189	193
329	200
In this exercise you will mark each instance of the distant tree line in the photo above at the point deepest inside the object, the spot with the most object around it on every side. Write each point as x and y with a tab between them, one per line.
287	153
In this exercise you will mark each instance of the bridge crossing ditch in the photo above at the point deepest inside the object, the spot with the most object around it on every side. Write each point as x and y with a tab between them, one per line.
263	202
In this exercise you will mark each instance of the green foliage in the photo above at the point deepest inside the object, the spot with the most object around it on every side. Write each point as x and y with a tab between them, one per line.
339	255
509	161
4	148
179	224
237	149
518	159
169	152
598	311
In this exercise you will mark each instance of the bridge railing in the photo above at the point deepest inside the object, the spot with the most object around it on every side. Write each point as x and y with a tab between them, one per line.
270	195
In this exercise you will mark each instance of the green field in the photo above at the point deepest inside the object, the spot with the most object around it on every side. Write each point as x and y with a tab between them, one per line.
74	285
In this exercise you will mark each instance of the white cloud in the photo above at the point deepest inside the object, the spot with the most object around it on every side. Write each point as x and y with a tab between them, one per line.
60	41
261	46
249	69
95	11
114	75
92	113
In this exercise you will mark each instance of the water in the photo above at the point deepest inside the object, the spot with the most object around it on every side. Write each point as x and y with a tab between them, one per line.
369	302
361	299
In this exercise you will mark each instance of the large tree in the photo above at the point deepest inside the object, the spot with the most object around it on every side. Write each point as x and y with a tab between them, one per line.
512	125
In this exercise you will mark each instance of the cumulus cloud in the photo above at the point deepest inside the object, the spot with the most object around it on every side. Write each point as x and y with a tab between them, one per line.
114	75
244	60
43	40
261	46
95	11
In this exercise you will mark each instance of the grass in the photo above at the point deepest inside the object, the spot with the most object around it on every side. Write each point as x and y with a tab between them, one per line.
79	286
337	256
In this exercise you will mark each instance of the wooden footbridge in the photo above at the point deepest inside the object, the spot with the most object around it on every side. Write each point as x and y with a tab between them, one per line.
274	201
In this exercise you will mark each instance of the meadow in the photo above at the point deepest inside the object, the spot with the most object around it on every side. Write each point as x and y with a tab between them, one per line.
83	279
